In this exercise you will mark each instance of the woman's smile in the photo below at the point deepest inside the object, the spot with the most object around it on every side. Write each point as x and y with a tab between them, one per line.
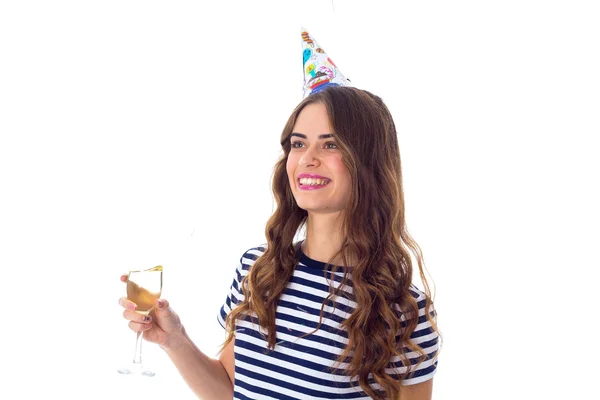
312	184
312	181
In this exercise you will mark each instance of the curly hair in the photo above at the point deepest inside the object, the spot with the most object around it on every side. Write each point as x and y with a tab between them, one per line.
375	236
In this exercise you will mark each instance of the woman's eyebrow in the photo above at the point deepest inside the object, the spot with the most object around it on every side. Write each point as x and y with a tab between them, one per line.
324	136
303	136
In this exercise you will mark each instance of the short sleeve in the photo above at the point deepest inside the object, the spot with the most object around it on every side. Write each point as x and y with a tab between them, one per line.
235	295
427	338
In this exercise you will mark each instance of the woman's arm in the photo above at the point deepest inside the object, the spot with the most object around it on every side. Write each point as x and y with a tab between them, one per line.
420	391
209	379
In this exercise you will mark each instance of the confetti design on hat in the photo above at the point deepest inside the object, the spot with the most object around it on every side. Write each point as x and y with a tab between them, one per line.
319	71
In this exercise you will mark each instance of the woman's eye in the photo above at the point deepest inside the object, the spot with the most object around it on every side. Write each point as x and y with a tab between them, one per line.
328	145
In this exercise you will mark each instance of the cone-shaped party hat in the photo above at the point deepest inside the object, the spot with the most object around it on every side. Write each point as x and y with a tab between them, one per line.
319	71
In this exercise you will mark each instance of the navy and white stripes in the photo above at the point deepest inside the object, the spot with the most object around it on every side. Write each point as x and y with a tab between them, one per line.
302	368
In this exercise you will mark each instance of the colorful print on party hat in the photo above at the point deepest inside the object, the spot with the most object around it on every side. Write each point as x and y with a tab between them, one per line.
319	71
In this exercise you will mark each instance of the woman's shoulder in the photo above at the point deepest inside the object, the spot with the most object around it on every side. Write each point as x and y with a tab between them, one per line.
416	292
254	252
420	297
250	256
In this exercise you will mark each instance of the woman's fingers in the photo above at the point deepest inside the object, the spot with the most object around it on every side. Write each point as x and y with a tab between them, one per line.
163	304
137	317
127	304
137	321
136	326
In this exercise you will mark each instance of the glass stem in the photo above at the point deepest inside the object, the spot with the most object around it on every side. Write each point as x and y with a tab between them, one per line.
137	357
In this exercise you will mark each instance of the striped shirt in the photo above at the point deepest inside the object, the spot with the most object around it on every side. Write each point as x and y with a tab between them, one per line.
301	368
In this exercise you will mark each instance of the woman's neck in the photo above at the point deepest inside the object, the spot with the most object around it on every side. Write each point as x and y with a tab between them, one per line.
323	237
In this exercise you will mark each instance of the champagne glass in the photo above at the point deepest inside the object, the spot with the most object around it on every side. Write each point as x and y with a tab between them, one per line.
143	288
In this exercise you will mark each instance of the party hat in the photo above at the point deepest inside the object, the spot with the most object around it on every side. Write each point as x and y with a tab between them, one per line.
319	71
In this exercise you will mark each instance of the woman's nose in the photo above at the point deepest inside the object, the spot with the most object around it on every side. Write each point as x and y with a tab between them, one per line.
308	159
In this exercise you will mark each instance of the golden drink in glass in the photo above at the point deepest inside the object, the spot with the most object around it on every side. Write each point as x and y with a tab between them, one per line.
143	288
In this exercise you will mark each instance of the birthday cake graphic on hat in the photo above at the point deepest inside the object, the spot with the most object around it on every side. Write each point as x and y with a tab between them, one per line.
319	70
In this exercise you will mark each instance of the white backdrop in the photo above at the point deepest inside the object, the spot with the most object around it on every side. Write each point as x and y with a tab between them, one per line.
135	133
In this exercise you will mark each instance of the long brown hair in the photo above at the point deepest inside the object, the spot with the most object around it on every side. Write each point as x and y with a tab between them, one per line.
375	236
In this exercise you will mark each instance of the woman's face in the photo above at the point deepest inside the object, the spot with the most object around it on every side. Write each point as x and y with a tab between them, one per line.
320	181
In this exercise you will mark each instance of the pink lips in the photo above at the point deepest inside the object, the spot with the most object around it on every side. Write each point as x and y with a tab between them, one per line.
311	187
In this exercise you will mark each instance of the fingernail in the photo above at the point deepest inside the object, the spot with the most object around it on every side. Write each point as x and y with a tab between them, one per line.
147	318
131	306
161	303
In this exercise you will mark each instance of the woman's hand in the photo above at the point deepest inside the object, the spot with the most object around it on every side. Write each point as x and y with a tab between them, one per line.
162	326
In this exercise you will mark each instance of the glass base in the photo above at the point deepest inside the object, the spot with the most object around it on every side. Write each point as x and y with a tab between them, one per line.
136	369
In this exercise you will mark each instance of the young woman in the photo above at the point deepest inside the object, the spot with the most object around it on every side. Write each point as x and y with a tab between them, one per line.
335	315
